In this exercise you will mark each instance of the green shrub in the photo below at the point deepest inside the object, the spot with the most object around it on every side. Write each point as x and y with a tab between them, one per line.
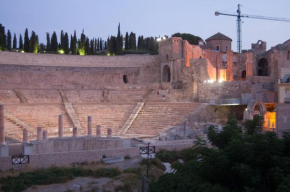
52	175
168	156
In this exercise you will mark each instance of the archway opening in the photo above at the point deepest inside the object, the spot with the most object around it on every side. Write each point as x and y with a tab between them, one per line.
244	73
125	79
263	68
166	74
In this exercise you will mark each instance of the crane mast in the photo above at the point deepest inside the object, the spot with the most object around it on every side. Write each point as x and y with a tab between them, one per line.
239	15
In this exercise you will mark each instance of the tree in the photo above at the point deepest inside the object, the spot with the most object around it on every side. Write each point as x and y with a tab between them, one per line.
82	44
193	40
101	44
92	46
2	38
26	41
250	162
20	42
132	41
74	44
9	40
48	45
119	41
113	45
87	47
106	46
54	43
33	43
14	41
254	126
62	43
127	41
65	44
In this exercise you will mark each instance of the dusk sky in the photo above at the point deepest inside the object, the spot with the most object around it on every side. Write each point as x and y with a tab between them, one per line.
100	18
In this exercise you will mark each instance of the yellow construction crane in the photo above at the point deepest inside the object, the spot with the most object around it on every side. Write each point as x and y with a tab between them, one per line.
239	15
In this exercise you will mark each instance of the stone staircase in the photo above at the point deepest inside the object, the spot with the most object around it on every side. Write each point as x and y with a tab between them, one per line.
156	117
15	131
131	119
72	115
20	96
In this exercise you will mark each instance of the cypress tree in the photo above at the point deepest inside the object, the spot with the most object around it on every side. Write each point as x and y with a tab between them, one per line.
119	41
14	41
95	48
62	43
87	46
74	44
26	41
92	47
48	48
32	42
82	44
2	38
9	41
101	44
106	46
20	42
54	43
65	43
98	46
71	43
127	41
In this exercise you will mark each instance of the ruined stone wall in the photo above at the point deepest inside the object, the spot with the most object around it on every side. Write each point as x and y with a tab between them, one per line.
282	119
41	71
224	90
68	158
75	144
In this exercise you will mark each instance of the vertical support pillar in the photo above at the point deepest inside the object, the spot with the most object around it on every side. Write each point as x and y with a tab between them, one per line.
109	132
4	151
75	132
39	133
25	136
89	125
60	126
2	128
98	131
45	135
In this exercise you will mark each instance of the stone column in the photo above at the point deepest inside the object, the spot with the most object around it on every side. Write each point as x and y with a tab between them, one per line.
98	131
45	135
60	127
109	132
39	133
2	128
25	136
4	151
89	125
75	132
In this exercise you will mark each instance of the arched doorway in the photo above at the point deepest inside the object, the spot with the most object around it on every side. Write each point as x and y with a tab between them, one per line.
263	68
166	74
255	108
244	74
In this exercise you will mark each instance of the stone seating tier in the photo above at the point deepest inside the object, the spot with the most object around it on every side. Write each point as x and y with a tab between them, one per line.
43	115
108	115
154	118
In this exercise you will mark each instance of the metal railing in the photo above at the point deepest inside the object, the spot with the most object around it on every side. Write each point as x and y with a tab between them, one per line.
17	160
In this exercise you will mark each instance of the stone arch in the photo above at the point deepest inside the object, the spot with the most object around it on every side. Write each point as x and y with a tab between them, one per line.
166	76
244	74
255	108
263	67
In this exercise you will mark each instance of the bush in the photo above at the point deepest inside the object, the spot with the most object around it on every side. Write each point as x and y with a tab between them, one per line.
52	175
168	156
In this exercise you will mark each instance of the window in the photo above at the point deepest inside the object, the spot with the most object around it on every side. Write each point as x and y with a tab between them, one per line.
226	48
125	79
217	48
